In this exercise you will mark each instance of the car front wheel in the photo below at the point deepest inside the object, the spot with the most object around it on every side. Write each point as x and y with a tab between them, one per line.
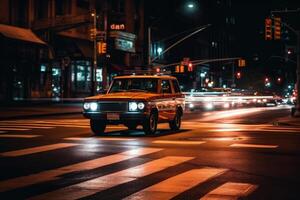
150	124
97	126
176	122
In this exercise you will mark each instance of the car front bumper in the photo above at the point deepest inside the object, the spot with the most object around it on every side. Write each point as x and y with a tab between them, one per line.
122	118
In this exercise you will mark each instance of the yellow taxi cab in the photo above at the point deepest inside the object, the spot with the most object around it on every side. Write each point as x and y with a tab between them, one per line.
136	100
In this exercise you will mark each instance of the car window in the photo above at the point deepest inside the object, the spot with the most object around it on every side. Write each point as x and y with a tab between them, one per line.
134	85
176	86
166	87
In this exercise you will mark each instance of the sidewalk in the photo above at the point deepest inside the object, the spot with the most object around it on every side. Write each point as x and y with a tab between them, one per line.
288	121
22	110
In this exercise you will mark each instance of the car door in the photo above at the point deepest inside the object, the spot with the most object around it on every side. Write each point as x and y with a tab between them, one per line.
178	96
167	103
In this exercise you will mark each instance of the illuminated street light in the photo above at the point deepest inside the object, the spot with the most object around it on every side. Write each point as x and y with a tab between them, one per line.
190	5
159	50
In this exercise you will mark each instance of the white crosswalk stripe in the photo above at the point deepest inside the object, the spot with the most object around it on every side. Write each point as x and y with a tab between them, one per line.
25	125
86	165
254	146
173	186
230	191
93	186
18	136
99	138
163	189
14	129
178	142
38	149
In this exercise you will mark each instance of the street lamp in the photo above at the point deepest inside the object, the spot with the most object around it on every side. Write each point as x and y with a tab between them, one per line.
190	5
159	50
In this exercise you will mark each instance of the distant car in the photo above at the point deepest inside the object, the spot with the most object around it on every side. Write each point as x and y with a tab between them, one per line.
137	100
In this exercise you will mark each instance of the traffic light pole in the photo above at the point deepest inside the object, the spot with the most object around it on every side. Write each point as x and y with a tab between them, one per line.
94	65
297	32
297	113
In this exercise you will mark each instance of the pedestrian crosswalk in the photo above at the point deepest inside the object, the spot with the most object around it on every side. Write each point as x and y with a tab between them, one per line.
230	190
38	149
49	124
154	163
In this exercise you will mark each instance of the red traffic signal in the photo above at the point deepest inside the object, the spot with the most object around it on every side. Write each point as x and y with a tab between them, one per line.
268	29
238	75
190	67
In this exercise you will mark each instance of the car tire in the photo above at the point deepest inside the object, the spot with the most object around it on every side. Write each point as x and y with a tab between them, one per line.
176	122
131	126
150	124
97	126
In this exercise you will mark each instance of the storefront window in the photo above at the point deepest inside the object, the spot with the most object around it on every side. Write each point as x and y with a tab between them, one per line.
56	74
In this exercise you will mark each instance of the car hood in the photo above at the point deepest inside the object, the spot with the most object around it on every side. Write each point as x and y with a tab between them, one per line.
123	96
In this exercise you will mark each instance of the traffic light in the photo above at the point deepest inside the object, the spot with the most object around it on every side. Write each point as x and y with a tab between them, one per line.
268	29
238	75
279	80
157	70
102	47
277	28
267	80
241	62
177	69
181	69
190	67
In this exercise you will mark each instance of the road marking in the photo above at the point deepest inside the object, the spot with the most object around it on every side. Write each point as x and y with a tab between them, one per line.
25	126
18	136
173	186
82	166
279	130
230	190
38	149
227	130
98	138
99	184
177	142
254	146
14	129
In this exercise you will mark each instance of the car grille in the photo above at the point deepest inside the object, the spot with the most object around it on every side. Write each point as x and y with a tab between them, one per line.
113	106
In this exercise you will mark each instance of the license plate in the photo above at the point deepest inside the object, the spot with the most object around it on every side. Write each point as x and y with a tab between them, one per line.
113	116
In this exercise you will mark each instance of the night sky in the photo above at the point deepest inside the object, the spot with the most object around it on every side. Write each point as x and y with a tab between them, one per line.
170	17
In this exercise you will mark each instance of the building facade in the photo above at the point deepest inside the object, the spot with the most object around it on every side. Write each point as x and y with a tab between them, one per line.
60	62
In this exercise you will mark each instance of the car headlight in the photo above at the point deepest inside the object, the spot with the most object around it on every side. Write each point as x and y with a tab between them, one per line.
136	106
209	106
93	106
86	106
133	106
141	106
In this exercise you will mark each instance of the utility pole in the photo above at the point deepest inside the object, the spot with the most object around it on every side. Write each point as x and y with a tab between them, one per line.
297	113
94	65
105	63
149	46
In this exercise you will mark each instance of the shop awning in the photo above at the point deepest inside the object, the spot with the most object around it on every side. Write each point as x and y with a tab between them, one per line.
17	33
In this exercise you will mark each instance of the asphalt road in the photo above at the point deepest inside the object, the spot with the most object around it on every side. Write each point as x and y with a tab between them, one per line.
216	155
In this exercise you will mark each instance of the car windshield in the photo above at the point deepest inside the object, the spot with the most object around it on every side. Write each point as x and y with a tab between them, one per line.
134	85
